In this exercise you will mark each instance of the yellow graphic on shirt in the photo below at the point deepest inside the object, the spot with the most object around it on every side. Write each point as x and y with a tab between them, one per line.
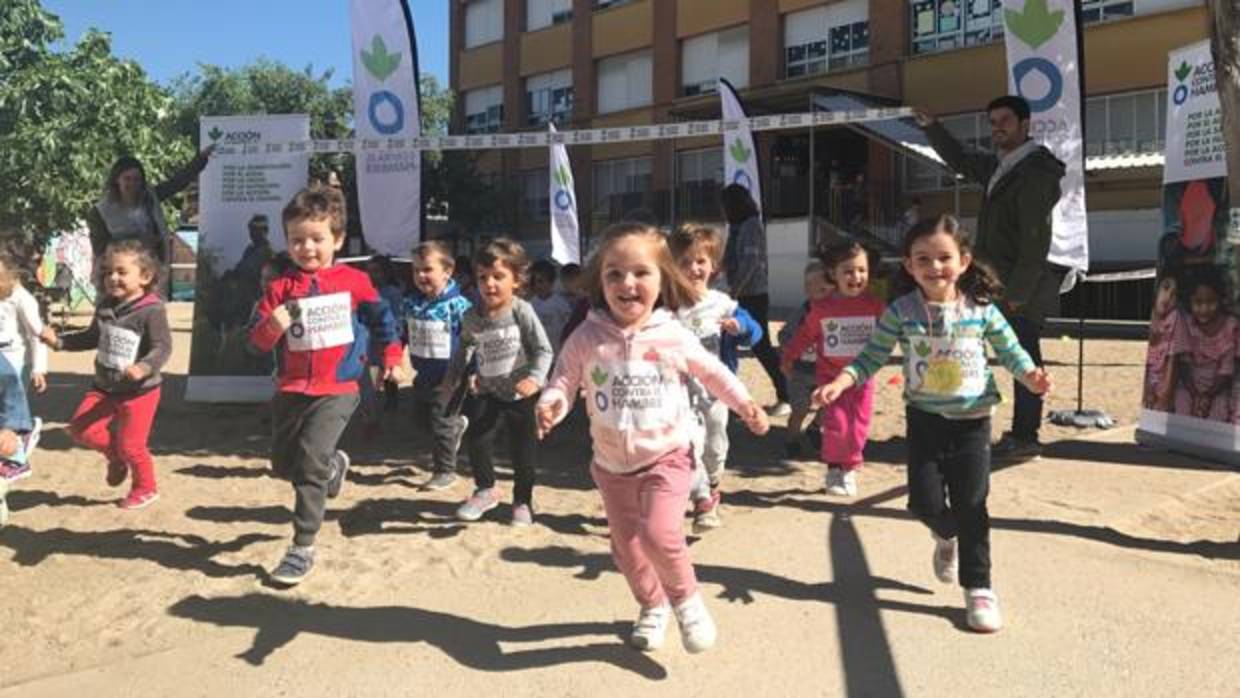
943	376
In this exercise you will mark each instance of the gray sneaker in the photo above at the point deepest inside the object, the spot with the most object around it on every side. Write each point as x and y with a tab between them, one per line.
522	515
1011	449
440	481
340	468
296	564
4	505
478	504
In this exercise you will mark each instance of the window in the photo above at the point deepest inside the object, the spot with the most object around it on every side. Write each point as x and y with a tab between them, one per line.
826	38
549	97
973	132
706	58
544	13
535	196
940	25
1106	10
621	186
624	82
699	177
484	110
484	22
604	4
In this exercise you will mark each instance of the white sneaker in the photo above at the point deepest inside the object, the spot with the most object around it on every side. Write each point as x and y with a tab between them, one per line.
982	610
835	482
946	561
697	628
849	482
651	627
4	505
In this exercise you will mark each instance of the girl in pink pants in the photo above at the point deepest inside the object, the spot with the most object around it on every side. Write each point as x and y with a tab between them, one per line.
631	357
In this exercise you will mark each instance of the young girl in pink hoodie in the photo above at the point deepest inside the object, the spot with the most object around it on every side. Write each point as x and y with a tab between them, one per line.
632	358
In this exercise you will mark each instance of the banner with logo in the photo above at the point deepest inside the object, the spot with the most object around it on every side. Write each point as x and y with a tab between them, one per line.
740	158
239	206
565	238
1190	401
387	105
1044	68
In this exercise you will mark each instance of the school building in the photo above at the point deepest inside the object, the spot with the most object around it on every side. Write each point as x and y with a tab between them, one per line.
520	64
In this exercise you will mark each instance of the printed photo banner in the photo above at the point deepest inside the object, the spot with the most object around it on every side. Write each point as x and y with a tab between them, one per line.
543	139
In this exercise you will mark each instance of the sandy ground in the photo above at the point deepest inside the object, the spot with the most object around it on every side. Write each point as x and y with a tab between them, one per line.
1118	569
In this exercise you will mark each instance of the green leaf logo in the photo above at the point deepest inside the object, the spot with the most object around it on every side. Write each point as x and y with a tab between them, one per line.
599	376
739	152
831	326
1183	71
1036	24
215	133
378	61
922	349
561	176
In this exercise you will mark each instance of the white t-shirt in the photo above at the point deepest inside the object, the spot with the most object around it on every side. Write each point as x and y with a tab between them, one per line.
20	326
553	312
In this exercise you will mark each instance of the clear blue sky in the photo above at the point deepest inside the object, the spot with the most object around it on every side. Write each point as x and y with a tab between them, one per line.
171	37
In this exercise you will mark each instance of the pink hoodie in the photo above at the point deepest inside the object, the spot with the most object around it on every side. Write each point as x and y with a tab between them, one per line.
634	383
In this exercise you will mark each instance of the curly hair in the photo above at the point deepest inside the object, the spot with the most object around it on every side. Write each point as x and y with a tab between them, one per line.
979	282
143	256
508	252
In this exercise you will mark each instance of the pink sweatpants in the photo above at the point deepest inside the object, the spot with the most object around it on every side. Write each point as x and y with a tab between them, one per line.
645	513
846	426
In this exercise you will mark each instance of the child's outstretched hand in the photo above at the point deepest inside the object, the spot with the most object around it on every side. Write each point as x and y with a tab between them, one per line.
8	443
730	325
526	387
1038	381
282	317
831	392
755	418
137	372
48	336
548	414
38	381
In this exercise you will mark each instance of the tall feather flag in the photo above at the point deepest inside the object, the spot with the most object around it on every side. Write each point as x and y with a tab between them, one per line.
387	105
740	157
565	236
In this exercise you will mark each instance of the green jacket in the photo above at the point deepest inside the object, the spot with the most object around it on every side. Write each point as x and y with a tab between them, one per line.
1014	223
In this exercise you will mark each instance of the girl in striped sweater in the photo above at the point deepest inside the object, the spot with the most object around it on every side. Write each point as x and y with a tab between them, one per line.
943	327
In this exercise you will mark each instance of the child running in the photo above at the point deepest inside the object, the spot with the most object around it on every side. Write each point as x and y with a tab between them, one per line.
631	356
943	327
801	381
502	333
721	325
838	328
25	357
319	318
131	336
434	310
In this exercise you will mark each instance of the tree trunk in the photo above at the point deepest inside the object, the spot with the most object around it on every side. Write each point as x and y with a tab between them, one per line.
1225	46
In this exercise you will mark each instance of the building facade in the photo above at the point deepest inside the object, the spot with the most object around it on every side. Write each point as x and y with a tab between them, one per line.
519	64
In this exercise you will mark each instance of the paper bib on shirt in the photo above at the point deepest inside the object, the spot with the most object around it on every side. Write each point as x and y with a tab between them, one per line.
499	351
948	365
322	322
118	347
8	324
430	339
703	321
846	336
636	395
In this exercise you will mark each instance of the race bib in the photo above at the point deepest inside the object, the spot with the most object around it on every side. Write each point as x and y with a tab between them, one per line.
703	321
637	395
948	366
430	339
845	337
321	322
499	352
8	325
118	347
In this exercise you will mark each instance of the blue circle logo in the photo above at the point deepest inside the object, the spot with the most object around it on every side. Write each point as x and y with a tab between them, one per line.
1180	95
1053	77
563	200
393	126
742	178
600	401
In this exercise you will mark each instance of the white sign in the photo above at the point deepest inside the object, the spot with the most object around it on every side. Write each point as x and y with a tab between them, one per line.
118	347
499	351
430	339
565	239
321	322
386	105
1043	67
845	337
637	395
740	160
1196	146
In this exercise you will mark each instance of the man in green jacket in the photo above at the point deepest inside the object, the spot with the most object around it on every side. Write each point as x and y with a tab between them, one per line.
1020	188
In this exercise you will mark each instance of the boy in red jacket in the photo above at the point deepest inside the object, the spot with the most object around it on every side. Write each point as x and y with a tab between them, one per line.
319	318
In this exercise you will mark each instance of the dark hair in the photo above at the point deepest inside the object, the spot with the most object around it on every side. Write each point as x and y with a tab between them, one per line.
463	266
124	162
1198	276
838	252
387	270
738	204
504	251
1018	105
675	291
979	282
317	202
142	254
569	270
543	268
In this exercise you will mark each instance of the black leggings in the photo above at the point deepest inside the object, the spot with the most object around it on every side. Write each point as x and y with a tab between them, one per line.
758	307
518	416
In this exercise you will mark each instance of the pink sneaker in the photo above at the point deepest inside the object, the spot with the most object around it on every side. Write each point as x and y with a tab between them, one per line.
138	500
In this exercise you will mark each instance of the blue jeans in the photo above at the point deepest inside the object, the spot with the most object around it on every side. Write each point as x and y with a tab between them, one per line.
14	410
1027	417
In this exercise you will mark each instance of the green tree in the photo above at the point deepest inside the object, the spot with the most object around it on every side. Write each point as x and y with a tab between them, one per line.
65	116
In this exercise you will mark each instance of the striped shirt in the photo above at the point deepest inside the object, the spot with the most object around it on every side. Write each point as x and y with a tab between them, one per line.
944	347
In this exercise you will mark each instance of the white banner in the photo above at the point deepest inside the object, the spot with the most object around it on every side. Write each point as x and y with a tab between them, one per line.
232	193
565	239
386	104
1043	67
740	159
1196	146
